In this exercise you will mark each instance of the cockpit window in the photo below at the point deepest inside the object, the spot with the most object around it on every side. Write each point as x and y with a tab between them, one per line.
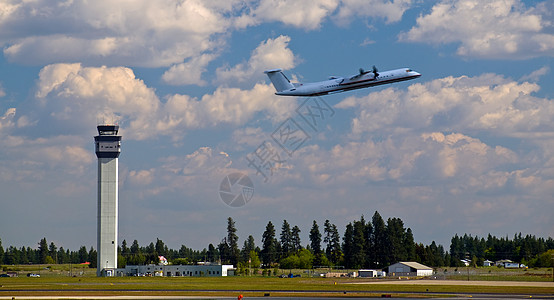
408	70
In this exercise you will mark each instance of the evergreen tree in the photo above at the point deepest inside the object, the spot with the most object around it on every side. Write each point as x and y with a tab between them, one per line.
43	250
160	248
248	246
83	254
233	242
125	251
93	257
457	252
347	246
1	252
409	245
332	241
379	241
212	253
135	248
315	244
62	257
269	245
295	239
358	244
315	238
395	238
327	237
286	239
224	251
52	252
335	252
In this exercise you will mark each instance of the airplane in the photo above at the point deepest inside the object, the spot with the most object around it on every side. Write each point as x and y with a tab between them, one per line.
338	84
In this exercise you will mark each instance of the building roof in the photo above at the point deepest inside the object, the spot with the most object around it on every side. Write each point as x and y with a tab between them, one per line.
415	265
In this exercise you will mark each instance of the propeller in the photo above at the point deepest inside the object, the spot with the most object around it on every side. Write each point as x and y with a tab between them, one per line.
375	72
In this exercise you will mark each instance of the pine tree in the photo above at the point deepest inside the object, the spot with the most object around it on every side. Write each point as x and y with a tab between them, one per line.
379	241
335	253
295	239
269	245
286	240
315	244
409	245
395	238
43	250
347	246
315	238
1	253
52	252
248	246
358	244
232	241
135	248
212	253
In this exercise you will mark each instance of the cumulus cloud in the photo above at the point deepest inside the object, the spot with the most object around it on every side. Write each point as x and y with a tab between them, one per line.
183	174
83	96
536	75
132	33
391	11
7	120
32	159
272	53
189	72
487	102
488	29
183	34
302	14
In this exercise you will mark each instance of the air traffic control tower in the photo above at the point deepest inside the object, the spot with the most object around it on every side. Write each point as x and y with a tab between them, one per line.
108	147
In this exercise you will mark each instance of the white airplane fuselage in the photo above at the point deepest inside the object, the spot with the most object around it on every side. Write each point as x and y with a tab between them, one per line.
337	84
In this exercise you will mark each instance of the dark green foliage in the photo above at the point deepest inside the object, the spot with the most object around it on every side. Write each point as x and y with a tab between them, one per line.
374	244
295	239
269	248
232	242
286	239
315	244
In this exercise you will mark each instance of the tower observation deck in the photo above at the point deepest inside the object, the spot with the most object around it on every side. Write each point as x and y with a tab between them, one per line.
108	148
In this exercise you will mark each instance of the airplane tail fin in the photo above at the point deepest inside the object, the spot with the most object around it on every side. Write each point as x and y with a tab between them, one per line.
279	80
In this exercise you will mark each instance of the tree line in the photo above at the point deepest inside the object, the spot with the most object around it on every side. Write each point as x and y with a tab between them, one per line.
375	243
46	254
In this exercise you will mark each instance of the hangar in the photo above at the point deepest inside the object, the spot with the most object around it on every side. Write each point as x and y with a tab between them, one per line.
409	269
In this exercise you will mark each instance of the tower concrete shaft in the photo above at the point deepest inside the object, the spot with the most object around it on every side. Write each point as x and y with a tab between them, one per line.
108	148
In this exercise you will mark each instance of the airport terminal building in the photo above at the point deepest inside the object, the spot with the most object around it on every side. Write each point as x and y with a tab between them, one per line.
177	270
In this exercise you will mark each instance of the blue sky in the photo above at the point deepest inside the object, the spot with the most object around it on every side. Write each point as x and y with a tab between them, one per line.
466	148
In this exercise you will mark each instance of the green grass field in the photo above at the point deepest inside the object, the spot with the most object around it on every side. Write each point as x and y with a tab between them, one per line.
55	281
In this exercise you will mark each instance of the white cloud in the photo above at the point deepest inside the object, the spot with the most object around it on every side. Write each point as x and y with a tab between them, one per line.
182	175
33	159
536	75
487	102
81	96
272	53
225	105
487	29
133	33
76	98
7	120
189	72
304	14
391	11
